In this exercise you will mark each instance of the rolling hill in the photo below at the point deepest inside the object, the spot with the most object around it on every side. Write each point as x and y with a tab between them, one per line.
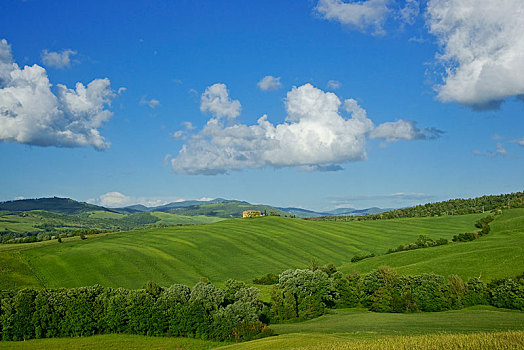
54	205
242	249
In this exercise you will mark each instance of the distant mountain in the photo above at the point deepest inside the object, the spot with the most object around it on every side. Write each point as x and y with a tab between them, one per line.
226	209
218	207
54	204
302	213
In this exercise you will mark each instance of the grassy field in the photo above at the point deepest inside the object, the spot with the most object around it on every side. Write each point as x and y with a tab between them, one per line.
348	328
241	249
499	254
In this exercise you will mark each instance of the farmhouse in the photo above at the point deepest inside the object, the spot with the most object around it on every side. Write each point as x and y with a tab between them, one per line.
251	213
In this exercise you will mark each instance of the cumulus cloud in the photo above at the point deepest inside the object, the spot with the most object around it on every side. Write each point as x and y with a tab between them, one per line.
119	200
314	136
333	84
269	83
363	15
152	103
58	60
482	50
31	113
216	101
403	130
520	142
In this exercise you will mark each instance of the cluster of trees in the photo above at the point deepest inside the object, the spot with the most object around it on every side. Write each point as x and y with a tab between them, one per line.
206	312
357	258
482	224
304	294
450	207
421	242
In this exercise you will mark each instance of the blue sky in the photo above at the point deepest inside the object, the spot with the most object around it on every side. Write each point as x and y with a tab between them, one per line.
375	103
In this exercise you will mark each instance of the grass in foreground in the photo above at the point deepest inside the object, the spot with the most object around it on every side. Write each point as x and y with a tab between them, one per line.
112	341
241	249
362	322
492	340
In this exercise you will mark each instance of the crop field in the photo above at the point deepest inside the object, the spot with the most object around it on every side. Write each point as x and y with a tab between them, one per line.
499	254
241	249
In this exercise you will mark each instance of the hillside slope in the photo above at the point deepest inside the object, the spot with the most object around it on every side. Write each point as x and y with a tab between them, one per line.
241	249
499	254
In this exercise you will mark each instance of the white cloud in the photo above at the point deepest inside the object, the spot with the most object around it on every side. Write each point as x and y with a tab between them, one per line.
333	84
119	200
403	130
31	113
188	125
315	136
152	103
362	15
178	134
482	50
409	12
520	142
58	60
499	151
269	83
216	101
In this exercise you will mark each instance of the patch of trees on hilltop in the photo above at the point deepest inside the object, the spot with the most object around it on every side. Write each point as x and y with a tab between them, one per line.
54	204
451	207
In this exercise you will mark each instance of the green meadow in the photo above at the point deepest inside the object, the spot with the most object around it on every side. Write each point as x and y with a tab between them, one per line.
242	249
498	254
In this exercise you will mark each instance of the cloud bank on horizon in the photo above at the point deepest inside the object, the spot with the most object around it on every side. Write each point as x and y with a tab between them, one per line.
315	134
482	46
32	114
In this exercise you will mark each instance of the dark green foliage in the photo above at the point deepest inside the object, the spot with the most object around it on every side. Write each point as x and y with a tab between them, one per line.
476	293
357	258
421	242
270	278
507	293
301	294
176	311
464	237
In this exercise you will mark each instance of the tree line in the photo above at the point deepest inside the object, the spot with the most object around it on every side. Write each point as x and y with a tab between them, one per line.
236	312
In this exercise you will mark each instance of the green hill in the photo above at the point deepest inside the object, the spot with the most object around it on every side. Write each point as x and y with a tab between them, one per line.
241	249
499	254
54	204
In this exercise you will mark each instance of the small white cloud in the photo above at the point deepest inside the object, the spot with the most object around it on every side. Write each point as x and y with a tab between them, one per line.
32	114
188	125
520	142
178	134
499	151
333	84
269	83
363	15
152	103
58	60
216	101
403	130
121	90
482	50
